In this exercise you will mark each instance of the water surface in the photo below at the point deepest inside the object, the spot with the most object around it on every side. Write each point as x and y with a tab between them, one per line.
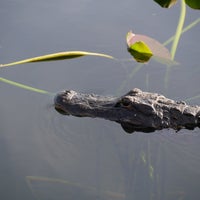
48	156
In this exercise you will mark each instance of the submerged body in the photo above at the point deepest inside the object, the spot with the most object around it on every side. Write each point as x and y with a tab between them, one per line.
135	111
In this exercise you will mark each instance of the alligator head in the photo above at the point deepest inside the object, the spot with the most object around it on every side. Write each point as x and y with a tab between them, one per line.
135	111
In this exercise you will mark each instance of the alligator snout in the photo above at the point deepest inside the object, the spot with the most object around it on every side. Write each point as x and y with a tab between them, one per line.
59	102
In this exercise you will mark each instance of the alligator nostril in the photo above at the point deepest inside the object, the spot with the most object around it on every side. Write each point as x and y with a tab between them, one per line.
66	91
58	101
59	109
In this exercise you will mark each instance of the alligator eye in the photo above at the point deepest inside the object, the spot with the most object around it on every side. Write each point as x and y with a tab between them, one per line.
125	103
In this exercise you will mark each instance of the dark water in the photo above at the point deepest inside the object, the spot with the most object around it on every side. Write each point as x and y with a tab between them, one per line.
48	156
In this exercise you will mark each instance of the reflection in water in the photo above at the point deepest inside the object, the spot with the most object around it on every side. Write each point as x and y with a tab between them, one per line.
105	164
64	155
49	188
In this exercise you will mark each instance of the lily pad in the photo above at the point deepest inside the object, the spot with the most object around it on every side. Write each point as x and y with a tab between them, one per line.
157	49
140	51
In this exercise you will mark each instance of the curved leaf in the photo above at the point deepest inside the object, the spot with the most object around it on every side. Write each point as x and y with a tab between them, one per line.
195	4
166	3
57	56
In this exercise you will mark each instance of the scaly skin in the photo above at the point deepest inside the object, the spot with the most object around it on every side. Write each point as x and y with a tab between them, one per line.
135	111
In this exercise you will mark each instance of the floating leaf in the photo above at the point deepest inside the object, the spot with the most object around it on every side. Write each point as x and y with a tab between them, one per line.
157	49
166	3
140	51
195	4
57	56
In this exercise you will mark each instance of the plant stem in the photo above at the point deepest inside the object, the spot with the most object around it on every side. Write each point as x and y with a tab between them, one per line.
179	29
177	36
187	28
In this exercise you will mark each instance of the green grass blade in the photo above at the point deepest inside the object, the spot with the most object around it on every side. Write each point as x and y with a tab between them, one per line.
57	56
26	87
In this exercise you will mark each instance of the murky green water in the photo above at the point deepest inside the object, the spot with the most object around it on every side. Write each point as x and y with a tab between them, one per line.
48	156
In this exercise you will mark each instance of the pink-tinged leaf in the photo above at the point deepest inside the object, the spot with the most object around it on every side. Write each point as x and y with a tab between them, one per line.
157	48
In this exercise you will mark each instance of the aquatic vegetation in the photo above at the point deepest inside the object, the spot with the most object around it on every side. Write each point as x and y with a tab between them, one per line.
195	4
26	87
57	56
144	48
141	47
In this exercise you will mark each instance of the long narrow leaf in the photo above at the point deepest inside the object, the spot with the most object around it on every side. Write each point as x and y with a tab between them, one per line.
26	87
57	56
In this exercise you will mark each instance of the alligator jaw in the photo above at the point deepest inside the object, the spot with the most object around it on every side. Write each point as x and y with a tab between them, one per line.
73	103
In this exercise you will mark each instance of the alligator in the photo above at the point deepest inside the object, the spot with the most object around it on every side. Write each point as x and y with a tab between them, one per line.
135	111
